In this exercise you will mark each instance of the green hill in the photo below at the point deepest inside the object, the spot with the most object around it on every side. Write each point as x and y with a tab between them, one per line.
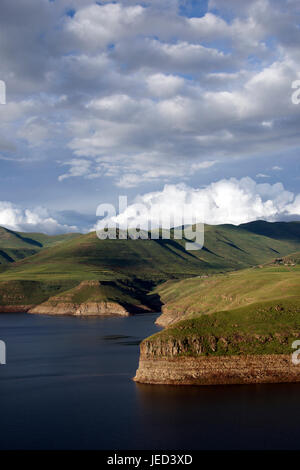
87	257
15	246
253	311
238	247
66	260
20	295
260	328
276	230
99	298
201	295
227	247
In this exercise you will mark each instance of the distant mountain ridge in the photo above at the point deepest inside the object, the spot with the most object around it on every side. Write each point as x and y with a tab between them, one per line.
52	265
15	246
226	247
277	230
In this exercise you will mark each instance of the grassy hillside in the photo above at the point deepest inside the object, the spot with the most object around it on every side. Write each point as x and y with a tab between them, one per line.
133	298
226	248
276	230
261	328
20	292
94	291
238	247
202	295
87	257
15	246
252	311
74	258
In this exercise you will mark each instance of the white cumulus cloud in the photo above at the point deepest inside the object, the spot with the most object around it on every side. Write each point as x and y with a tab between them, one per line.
16	218
230	201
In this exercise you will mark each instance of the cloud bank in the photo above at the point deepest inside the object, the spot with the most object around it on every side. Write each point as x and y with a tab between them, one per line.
140	92
16	218
228	201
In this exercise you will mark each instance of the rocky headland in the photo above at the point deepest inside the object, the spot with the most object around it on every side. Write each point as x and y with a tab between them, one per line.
214	370
251	344
91	298
85	298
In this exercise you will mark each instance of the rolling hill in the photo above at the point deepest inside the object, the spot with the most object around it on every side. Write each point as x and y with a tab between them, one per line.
259	328
55	264
226	248
15	246
233	328
190	298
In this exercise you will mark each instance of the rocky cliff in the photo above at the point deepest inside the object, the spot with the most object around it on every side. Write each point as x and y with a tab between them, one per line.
162	362
217	370
84	309
252	344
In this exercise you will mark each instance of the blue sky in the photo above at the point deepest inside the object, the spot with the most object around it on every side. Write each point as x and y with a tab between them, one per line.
131	97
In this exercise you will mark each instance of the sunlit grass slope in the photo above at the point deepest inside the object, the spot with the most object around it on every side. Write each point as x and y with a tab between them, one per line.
226	248
268	327
197	296
16	245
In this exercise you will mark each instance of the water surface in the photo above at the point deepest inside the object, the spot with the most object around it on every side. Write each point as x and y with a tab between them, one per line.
67	385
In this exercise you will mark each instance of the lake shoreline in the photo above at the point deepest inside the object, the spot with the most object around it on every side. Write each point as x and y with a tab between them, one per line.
217	370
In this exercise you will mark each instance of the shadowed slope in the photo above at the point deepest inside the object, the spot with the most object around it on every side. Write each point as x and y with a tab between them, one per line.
98	298
227	247
15	246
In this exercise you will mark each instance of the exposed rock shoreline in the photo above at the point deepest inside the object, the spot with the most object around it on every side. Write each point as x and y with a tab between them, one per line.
168	317
15	308
64	308
85	309
173	362
217	370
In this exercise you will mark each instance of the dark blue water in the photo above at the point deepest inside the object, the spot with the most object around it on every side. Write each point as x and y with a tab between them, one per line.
67	384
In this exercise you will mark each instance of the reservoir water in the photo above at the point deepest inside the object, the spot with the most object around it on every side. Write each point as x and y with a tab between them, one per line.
67	385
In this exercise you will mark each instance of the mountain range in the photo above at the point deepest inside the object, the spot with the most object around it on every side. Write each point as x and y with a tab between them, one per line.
34	267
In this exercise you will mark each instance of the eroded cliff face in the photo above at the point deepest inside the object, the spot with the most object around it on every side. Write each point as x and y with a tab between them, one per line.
195	345
85	309
165	362
217	370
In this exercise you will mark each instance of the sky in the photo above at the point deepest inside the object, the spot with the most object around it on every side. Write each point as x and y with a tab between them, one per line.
161	100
